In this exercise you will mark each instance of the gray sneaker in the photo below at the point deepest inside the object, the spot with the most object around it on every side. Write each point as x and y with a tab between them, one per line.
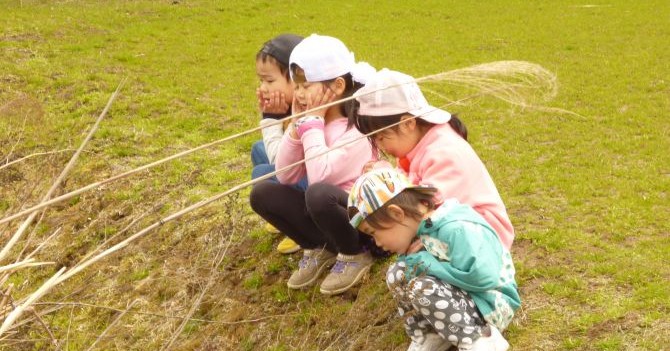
347	271
311	265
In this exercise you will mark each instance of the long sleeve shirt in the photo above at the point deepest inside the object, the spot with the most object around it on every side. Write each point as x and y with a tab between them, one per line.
272	135
340	167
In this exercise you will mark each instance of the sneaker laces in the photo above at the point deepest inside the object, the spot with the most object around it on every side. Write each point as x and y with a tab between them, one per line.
304	261
340	266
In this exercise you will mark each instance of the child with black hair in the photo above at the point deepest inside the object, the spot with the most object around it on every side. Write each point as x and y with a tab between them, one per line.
430	146
275	95
453	279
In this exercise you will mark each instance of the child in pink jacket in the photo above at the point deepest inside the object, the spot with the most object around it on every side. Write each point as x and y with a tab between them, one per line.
323	70
430	146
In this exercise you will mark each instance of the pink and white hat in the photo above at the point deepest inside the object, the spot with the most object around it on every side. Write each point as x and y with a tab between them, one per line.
389	93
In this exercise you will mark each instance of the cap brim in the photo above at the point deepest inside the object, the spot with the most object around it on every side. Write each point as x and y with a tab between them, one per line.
432	114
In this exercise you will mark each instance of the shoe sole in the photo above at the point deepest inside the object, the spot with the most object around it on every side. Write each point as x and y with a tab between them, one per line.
291	250
354	282
325	265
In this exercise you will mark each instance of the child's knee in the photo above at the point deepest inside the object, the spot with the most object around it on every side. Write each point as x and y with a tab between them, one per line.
420	289
395	275
260	193
258	146
319	198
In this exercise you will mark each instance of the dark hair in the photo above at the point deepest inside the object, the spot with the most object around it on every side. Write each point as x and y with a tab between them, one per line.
369	124
408	200
278	51
265	57
350	87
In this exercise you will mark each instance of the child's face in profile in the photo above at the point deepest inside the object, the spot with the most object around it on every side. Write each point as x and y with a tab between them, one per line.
398	142
396	237
273	81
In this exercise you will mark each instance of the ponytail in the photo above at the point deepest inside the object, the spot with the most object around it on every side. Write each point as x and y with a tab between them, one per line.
458	126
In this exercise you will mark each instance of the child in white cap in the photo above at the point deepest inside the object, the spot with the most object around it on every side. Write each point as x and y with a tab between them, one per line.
430	146
275	95
453	280
323	70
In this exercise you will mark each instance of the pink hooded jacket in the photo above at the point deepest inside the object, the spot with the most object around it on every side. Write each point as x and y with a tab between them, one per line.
446	161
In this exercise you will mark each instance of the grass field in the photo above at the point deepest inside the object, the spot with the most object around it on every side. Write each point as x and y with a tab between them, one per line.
588	191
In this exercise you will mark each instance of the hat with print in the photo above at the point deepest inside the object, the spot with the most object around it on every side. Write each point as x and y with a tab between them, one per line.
322	58
281	46
392	93
375	188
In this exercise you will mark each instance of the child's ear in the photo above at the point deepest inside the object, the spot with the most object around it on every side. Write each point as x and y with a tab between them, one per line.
410	122
339	85
396	213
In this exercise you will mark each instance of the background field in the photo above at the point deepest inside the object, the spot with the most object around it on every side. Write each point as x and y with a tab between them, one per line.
588	192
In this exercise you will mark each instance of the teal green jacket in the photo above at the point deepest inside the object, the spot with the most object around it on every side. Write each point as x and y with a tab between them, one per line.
463	250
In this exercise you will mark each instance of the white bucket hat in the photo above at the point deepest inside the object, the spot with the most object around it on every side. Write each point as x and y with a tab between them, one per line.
389	93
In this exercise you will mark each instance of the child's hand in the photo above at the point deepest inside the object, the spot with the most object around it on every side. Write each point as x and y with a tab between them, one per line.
326	96
414	247
314	100
274	103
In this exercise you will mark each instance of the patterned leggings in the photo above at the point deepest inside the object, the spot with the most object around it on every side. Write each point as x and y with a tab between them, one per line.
435	307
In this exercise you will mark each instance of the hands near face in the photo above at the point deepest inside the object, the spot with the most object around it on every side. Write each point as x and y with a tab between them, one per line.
308	100
274	103
312	98
415	246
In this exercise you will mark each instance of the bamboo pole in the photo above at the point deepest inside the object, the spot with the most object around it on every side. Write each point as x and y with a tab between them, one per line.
483	77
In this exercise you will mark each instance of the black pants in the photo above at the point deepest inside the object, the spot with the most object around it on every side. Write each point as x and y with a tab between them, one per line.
315	218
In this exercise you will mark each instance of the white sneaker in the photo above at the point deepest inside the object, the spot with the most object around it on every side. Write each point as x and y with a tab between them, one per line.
431	342
495	342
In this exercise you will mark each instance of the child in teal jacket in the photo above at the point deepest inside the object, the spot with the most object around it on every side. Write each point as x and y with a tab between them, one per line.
453	279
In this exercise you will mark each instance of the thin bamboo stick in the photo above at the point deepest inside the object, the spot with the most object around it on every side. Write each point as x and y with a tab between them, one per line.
83	265
482	77
23	264
33	155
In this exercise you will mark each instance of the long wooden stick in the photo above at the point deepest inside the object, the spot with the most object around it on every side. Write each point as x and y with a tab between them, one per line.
60	276
83	265
459	77
91	186
12	241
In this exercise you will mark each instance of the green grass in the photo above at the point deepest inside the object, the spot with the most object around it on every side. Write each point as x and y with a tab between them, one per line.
588	193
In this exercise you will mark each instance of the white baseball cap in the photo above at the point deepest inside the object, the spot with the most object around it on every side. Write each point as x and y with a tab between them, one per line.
322	58
389	93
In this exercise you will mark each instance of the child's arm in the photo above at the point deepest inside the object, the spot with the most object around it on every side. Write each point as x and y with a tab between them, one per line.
271	138
290	151
341	164
273	109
